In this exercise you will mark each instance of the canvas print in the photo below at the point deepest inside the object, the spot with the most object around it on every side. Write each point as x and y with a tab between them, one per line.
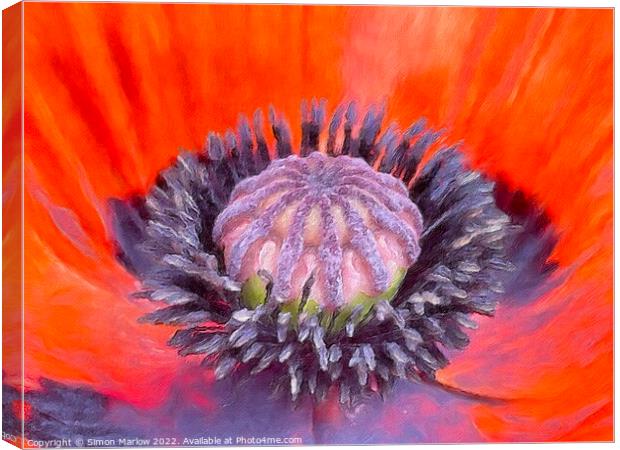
302	224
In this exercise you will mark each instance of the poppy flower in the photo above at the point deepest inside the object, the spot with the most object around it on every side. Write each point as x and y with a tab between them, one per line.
114	93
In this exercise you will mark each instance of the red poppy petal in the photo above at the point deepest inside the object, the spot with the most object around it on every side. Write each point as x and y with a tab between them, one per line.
112	92
11	196
530	93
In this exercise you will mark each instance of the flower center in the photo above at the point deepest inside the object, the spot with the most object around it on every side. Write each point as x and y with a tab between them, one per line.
335	221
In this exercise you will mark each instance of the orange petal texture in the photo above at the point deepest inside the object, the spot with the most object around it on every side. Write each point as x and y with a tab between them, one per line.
113	91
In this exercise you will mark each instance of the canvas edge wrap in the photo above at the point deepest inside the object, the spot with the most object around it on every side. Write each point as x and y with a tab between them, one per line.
12	208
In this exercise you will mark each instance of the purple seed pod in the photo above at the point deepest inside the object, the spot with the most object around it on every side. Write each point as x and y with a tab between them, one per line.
333	216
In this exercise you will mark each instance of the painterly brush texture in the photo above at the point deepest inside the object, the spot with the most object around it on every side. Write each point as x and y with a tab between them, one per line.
114	93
